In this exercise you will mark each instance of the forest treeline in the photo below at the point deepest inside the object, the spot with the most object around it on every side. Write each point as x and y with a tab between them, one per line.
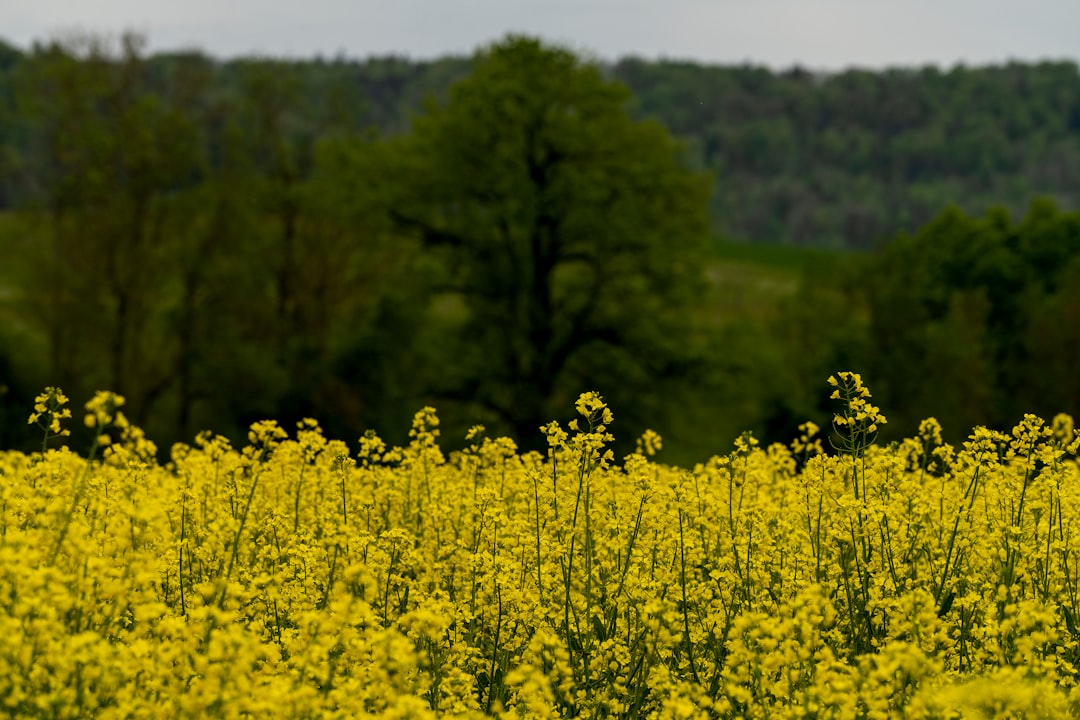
837	160
845	160
223	242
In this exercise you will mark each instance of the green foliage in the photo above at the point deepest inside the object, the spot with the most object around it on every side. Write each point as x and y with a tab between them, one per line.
844	160
185	246
978	303
220	248
110	167
223	242
826	160
572	232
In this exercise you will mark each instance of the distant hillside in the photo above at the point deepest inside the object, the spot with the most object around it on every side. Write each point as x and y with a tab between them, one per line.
836	161
841	160
831	161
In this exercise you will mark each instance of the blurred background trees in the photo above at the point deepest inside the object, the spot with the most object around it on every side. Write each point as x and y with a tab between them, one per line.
227	241
571	235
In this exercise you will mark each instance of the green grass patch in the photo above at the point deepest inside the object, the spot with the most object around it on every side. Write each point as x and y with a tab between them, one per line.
782	257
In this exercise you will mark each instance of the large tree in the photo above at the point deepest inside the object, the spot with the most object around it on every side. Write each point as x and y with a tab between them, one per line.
113	154
571	231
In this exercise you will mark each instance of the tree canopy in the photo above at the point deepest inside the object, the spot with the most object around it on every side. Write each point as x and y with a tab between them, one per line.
573	232
227	241
826	160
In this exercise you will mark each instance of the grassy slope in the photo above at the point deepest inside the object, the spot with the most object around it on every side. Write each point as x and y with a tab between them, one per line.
749	280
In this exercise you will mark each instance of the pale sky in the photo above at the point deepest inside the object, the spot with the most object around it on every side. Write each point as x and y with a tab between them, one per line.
817	34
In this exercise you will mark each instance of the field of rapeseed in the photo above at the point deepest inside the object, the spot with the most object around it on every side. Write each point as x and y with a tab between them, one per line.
300	577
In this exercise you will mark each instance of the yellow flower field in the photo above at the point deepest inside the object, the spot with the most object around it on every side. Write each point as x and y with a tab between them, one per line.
303	577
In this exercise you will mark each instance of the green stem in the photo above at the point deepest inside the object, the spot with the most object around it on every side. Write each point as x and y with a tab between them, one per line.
236	541
494	651
685	608
539	575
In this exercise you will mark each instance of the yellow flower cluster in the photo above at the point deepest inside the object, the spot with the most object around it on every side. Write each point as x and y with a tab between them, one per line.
857	422
299	577
48	413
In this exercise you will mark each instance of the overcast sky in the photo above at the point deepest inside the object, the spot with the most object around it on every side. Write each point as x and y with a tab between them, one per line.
817	34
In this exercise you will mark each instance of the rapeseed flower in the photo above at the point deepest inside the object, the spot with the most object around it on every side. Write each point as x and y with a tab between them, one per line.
49	412
301	577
